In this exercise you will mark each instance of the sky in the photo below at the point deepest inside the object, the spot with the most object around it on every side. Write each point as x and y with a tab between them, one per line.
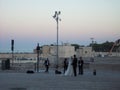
29	22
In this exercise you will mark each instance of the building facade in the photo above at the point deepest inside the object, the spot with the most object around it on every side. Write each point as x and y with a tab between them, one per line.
84	52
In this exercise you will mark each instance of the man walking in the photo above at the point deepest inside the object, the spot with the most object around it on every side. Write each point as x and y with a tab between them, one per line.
46	63
74	63
80	65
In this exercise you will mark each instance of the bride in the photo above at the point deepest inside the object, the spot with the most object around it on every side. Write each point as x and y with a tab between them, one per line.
69	71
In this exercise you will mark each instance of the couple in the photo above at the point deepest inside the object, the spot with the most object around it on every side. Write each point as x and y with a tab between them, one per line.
72	67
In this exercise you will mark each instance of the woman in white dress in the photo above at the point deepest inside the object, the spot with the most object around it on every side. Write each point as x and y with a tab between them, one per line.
69	71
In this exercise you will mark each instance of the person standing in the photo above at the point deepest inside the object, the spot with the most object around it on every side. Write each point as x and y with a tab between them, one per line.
47	63
65	64
80	66
74	63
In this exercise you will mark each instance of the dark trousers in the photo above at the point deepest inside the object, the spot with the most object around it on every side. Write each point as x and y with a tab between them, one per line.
80	69
65	68
75	70
47	67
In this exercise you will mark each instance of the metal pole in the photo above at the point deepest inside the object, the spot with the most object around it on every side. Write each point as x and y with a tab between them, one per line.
57	44
92	41
12	49
12	57
38	52
38	61
56	16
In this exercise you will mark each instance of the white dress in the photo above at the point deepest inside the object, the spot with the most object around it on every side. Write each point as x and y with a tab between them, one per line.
69	71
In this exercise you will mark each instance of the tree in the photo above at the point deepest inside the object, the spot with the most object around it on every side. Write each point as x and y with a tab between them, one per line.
103	47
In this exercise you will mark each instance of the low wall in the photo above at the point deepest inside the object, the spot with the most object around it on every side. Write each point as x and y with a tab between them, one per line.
106	63
109	67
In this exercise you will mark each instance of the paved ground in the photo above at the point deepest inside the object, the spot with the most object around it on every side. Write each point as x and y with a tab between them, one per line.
104	80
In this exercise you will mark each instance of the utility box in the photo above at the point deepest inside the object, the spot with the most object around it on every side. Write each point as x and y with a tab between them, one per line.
5	64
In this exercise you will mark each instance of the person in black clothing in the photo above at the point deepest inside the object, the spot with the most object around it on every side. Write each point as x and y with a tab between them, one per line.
80	66
47	63
74	64
65	64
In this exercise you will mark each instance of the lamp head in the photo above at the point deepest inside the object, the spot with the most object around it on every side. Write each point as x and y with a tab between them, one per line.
55	12
59	12
54	16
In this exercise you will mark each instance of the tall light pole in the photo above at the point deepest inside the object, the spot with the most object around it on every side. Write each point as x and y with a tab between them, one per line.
12	49
92	39
38	52
56	17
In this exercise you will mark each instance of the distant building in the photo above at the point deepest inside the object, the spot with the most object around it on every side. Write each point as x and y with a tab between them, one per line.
84	52
64	51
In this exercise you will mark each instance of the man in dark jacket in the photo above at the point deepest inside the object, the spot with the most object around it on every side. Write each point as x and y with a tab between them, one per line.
65	64
47	63
80	65
74	64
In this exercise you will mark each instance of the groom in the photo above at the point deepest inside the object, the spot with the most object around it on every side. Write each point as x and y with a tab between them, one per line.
74	64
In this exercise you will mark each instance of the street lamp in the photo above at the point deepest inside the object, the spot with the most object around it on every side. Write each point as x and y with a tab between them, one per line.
38	52
12	49
56	17
92	43
92	39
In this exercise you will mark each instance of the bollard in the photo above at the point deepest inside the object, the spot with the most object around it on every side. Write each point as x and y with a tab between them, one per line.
29	71
94	72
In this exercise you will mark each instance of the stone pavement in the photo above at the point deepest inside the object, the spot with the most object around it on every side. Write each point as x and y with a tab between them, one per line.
104	80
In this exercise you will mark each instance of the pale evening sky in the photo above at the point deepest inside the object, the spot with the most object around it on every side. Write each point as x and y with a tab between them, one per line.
29	22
